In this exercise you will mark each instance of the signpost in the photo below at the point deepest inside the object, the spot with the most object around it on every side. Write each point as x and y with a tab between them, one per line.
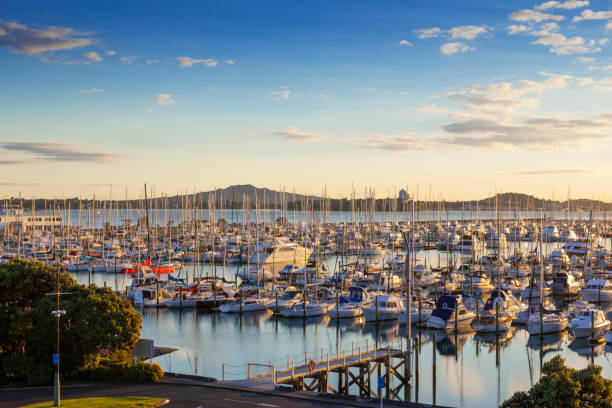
381	386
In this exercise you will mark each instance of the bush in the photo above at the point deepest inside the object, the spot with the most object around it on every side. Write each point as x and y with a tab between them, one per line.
142	372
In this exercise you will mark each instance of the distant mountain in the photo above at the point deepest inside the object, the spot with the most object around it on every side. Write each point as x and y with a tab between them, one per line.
237	196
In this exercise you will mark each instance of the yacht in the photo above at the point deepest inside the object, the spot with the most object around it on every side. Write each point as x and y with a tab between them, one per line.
589	323
290	298
508	304
281	251
477	281
551	323
471	244
351	305
250	304
489	323
597	290
419	313
288	271
443	316
312	310
386	282
384	307
564	283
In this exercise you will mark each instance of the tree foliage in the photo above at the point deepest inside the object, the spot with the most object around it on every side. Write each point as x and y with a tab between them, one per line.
96	321
562	386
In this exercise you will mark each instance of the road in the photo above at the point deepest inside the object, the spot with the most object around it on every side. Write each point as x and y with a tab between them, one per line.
180	395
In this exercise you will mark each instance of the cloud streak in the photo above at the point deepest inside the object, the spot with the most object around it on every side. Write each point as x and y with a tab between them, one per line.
292	133
60	152
35	41
165	99
186	62
401	143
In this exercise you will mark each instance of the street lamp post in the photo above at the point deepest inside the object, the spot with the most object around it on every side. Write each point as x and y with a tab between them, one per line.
56	358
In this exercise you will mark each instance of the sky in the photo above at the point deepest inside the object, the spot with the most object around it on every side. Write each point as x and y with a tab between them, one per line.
458	99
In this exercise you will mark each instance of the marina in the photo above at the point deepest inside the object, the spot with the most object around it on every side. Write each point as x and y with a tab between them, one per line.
258	304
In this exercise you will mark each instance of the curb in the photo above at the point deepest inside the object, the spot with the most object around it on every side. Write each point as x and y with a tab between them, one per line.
164	402
318	397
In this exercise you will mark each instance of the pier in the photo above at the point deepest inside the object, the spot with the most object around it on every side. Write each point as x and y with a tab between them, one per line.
357	371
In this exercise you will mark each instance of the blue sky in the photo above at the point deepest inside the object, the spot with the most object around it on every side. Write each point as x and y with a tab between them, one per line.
463	98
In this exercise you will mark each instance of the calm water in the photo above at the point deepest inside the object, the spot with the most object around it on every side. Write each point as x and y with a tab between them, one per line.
467	371
89	219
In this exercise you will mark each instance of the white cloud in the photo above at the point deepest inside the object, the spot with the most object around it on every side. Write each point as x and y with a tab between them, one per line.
111	52
189	62
229	62
530	15
454	47
428	33
540	133
292	133
517	29
149	110
406	43
584	80
93	56
467	32
593	15
91	90
586	60
569	4
128	59
165	99
561	45
35	41
401	143
284	94
603	41
152	61
433	109
503	99
609	25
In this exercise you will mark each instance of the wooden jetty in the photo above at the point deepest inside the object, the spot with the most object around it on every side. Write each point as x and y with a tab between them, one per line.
359	369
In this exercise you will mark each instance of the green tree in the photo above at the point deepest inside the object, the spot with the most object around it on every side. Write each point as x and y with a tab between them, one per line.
22	286
97	322
96	319
562	386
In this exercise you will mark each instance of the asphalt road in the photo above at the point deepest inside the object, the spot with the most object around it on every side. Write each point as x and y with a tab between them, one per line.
180	395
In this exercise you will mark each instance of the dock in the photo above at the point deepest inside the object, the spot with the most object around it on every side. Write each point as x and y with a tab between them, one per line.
359	371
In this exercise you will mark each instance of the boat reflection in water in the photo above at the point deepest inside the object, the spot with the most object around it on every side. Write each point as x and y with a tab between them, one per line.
450	344
586	348
387	330
490	339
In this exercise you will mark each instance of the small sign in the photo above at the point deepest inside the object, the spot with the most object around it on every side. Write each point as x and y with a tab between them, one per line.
56	359
381	382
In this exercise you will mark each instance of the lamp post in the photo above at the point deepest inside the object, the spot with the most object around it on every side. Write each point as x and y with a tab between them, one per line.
56	357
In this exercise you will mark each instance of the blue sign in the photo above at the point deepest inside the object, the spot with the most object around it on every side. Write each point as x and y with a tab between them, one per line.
56	358
381	382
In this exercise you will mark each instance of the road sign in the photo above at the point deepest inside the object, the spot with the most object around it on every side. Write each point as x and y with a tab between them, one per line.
56	358
381	382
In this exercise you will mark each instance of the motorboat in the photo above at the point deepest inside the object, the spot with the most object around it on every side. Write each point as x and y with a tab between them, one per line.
477	281
550	323
507	303
288	299
281	251
589	323
250	304
384	307
449	309
312	310
564	283
490	323
419	312
597	290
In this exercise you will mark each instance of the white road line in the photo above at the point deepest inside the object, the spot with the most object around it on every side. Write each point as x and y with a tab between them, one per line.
261	404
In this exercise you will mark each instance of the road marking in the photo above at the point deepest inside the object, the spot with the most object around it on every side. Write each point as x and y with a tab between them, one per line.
261	404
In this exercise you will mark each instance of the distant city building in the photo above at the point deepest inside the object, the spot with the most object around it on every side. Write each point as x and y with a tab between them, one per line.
403	196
